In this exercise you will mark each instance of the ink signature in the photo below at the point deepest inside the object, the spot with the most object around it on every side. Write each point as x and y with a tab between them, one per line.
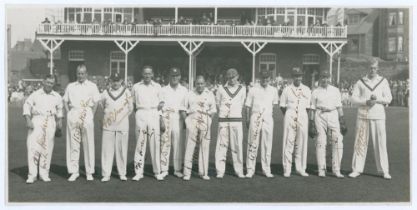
111	117
362	144
42	143
166	137
79	126
140	150
252	144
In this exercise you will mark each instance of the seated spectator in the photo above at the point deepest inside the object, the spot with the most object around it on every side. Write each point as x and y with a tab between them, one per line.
181	20
287	23
211	17
46	21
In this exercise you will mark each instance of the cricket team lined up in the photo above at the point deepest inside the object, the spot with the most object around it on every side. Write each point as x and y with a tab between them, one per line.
175	122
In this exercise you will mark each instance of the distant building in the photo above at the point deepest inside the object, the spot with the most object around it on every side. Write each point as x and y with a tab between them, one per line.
362	32
20	57
380	33
394	34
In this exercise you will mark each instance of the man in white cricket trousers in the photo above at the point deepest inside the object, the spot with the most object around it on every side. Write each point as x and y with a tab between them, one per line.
326	117
80	100
200	106
43	113
294	102
261	101
371	93
230	100
172	97
146	97
117	103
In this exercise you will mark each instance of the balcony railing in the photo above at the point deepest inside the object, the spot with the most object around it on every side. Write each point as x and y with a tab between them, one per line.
194	30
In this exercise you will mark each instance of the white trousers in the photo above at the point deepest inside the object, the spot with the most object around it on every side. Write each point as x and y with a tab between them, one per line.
40	144
378	135
198	133
260	127
114	142
328	127
229	133
174	136
147	130
295	140
80	129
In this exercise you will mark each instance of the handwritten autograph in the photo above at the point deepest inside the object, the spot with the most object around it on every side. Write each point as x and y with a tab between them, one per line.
143	136
111	118
166	137
42	142
362	144
202	124
252	144
294	124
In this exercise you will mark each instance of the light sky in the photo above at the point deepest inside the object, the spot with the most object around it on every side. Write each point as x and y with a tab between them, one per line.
24	20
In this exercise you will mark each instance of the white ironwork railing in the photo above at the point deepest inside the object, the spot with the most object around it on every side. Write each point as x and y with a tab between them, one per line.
195	30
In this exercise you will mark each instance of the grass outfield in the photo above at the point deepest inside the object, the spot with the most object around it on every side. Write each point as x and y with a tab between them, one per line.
369	187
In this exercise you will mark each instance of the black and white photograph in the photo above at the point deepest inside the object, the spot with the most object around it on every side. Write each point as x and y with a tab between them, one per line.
188	104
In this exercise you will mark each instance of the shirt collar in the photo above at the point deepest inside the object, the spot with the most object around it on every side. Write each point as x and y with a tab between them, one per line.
294	87
113	90
264	88
229	86
83	83
175	89
205	91
377	78
42	91
152	83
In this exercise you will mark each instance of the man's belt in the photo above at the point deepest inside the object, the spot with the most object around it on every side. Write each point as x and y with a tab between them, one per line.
322	109
199	112
43	115
146	108
232	119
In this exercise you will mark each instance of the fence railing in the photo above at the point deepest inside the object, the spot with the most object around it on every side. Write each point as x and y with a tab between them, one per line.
195	30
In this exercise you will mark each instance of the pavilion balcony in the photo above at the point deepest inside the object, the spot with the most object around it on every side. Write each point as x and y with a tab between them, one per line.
185	31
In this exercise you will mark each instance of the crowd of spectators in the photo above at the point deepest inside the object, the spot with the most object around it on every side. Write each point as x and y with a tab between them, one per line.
400	89
204	19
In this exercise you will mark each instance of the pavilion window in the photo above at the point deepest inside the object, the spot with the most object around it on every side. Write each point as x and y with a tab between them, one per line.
268	61
117	62
76	55
88	18
309	59
97	15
